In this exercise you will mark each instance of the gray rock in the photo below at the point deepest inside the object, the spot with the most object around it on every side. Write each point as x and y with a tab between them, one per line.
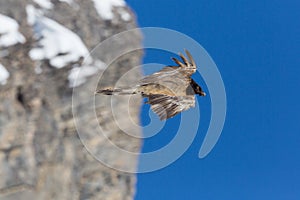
41	155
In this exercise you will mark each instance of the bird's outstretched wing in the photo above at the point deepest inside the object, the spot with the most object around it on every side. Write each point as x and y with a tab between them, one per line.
168	106
164	73
188	66
179	74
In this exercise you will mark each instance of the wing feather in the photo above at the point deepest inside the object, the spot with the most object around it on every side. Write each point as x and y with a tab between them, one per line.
168	106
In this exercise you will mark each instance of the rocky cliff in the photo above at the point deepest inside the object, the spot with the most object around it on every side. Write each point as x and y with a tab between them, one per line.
42	45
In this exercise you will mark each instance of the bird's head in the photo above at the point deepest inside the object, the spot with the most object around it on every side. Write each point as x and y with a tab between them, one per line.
198	90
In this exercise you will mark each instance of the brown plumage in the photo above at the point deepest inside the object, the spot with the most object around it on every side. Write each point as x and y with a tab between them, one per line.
169	91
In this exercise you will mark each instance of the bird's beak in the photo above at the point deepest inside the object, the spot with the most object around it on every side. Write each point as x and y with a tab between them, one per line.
203	94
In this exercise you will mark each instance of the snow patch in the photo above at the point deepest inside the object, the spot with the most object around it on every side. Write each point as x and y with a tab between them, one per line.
125	15
4	74
61	47
56	43
105	7
44	3
79	74
9	32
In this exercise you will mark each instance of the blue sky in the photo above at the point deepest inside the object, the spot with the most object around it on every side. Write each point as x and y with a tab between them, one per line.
255	45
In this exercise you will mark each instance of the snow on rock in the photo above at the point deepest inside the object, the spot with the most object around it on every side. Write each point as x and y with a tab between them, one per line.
4	74
44	3
105	7
125	15
61	47
9	32
56	43
79	75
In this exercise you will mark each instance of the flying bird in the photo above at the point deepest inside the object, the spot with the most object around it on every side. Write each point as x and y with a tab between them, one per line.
169	91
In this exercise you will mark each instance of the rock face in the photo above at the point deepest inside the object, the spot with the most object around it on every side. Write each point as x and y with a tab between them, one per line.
42	45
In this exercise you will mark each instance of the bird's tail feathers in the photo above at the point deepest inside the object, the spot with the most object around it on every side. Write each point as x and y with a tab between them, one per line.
117	91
